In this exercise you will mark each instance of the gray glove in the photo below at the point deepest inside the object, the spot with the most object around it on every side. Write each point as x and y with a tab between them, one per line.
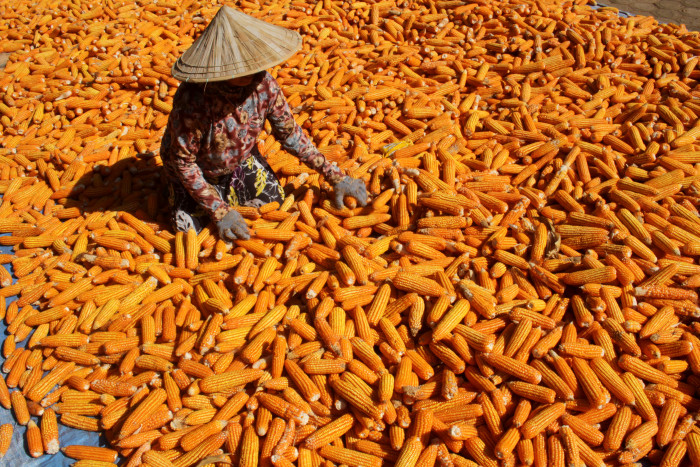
233	227
350	187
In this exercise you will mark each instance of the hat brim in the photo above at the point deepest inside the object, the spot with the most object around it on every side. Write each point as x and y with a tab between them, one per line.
193	74
235	44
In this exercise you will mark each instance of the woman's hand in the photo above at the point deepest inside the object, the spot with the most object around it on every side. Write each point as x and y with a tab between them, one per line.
233	227
349	186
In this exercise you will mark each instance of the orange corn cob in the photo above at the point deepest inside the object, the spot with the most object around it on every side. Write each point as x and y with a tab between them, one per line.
6	431
421	285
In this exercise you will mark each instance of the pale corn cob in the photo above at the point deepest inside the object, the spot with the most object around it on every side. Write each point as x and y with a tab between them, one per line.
343	455
90	453
6	431
417	284
540	421
49	431
142	412
329	432
515	368
218	383
34	442
156	459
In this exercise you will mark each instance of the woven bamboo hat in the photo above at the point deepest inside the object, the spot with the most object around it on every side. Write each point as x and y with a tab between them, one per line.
235	44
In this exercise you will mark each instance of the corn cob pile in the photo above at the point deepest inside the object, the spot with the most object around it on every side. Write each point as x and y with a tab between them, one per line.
521	290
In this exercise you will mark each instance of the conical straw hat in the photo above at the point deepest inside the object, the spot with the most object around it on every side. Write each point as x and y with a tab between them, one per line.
235	44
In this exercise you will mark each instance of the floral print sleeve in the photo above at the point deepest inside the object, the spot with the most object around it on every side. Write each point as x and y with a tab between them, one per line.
293	138
186	135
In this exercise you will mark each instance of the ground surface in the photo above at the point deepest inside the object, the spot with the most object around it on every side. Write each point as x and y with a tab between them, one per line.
3	60
665	11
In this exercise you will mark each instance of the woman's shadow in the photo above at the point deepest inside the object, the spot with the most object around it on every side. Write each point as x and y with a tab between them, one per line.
135	184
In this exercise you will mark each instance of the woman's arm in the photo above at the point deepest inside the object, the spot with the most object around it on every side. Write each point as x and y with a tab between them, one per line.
292	137
185	135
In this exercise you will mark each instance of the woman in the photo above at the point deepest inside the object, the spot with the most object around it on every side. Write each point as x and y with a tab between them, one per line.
209	149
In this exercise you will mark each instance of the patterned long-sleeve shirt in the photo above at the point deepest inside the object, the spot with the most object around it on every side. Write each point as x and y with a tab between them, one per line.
213	127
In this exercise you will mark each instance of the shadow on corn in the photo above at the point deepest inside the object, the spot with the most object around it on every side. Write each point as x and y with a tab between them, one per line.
136	185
